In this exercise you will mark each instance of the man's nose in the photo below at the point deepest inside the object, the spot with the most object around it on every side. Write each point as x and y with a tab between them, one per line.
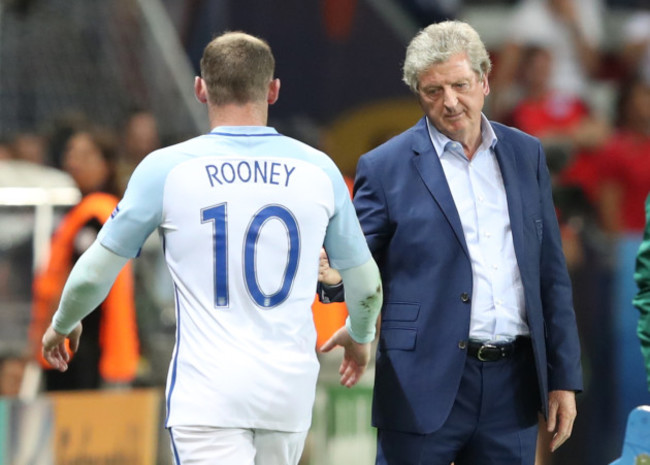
449	98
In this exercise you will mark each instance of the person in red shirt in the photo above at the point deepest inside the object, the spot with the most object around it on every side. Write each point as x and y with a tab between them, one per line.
624	163
569	130
543	111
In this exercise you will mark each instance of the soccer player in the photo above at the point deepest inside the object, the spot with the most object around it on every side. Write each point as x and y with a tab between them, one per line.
243	212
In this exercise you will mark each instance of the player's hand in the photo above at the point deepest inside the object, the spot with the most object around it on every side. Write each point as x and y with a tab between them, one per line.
561	415
355	357
327	275
54	347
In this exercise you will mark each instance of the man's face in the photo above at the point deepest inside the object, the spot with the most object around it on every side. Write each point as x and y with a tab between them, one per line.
452	96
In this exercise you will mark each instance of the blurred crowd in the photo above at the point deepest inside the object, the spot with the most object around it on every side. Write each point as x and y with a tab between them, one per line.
548	81
98	161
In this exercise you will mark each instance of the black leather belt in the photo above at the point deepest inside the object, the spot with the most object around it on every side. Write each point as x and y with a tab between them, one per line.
492	352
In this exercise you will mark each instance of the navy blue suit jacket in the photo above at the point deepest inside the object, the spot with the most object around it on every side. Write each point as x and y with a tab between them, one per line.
413	229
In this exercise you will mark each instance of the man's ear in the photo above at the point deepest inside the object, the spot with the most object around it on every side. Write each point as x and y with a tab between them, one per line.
200	91
274	91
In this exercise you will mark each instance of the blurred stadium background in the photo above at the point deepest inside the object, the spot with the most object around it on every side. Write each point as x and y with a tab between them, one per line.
339	62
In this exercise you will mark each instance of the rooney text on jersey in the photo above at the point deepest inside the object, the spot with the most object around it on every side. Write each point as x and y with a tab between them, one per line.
249	171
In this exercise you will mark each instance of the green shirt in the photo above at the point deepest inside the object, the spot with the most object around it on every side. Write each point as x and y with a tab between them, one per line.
642	299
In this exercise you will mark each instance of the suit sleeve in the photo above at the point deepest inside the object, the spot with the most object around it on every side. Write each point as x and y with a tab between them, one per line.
642	299
370	204
562	341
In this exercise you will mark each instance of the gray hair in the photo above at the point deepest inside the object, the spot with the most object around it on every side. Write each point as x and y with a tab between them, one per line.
437	43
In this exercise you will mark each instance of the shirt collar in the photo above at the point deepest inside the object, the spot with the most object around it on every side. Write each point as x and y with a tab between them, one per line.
440	141
243	130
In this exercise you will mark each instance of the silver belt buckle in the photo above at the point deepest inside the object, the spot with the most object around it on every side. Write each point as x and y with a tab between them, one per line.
480	356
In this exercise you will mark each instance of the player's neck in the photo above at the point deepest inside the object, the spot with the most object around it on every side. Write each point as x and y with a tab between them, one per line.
250	114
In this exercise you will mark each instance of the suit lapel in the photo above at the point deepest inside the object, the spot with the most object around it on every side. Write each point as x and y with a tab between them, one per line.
507	160
428	166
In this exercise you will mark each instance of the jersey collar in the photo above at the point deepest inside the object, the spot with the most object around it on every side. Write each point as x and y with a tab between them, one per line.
244	131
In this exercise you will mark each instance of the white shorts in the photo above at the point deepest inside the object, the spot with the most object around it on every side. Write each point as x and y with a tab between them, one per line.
205	445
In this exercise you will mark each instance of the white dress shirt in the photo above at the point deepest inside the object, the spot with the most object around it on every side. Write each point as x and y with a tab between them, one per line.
498	309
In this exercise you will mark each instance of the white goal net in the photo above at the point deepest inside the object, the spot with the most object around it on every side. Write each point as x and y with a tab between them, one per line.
101	58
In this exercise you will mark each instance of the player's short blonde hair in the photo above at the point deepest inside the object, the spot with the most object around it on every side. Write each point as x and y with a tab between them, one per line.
237	68
437	43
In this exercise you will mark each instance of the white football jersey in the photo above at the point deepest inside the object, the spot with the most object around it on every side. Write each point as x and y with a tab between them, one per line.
243	213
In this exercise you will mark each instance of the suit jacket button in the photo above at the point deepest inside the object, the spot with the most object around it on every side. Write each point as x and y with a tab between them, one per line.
462	344
464	297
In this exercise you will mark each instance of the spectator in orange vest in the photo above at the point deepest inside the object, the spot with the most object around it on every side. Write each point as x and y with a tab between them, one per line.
89	157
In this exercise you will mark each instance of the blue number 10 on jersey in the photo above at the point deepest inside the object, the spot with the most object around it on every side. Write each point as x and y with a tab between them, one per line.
218	216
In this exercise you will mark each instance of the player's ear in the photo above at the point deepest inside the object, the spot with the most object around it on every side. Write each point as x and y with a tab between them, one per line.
200	90
274	91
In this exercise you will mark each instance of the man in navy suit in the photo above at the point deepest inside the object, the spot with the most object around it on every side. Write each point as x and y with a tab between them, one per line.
478	332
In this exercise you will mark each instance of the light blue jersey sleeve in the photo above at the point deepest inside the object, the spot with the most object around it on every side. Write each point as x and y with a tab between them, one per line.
344	240
139	212
348	251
